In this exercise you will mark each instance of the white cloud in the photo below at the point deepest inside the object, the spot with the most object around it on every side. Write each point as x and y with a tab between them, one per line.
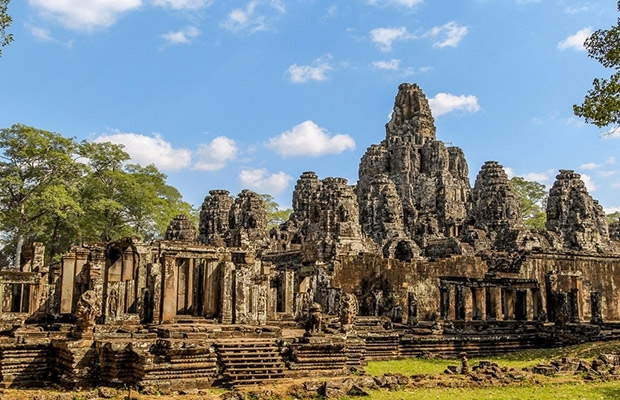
261	181
309	139
392	64
447	35
611	160
539	177
575	41
590	185
42	34
606	174
213	156
315	72
611	210
146	150
444	103
404	3
589	166
85	15
183	4
182	36
258	15
384	37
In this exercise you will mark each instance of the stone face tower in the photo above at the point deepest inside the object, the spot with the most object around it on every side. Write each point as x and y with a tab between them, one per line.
574	217
429	179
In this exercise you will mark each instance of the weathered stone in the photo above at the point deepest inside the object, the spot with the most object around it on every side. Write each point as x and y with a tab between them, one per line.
214	218
574	219
182	229
411	185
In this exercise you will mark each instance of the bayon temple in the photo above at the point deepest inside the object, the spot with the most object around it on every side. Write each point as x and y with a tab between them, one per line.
411	260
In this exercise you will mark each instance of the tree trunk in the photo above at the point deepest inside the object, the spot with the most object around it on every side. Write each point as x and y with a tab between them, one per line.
18	251
20	237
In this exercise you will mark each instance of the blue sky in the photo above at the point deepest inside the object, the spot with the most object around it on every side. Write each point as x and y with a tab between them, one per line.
251	93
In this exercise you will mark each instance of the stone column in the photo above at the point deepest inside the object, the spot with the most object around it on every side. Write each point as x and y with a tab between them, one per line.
444	301
537	305
211	302
189	291
493	303
478	303
508	298
227	289
596	308
158	293
289	291
169	292
66	285
460	309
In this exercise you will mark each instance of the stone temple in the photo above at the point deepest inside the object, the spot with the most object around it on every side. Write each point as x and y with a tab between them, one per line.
411	260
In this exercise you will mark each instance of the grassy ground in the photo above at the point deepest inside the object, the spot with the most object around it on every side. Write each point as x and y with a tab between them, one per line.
572	391
435	386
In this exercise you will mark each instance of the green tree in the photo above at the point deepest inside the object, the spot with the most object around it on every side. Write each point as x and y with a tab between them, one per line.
5	22
601	105
532	198
613	217
36	168
275	215
121	199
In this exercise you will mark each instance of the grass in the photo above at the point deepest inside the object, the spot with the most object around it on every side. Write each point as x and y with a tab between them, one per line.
574	391
517	360
540	387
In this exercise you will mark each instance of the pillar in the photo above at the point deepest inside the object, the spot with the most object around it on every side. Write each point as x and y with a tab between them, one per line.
444	301
478	303
493	303
227	292
289	291
211	302
460	309
169	289
508	300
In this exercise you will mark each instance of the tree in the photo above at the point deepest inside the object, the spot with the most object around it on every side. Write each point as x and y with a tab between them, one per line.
5	22
60	192
601	105
36	167
121	199
275	215
532	198
613	217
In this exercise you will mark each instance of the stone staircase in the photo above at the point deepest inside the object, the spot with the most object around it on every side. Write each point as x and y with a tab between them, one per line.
316	355
249	362
382	346
24	365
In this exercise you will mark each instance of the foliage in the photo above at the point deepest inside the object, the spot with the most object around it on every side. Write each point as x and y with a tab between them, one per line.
601	105
36	168
121	199
275	215
59	192
533	201
613	217
5	22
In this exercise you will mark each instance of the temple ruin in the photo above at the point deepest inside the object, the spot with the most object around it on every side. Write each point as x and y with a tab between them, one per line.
411	260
